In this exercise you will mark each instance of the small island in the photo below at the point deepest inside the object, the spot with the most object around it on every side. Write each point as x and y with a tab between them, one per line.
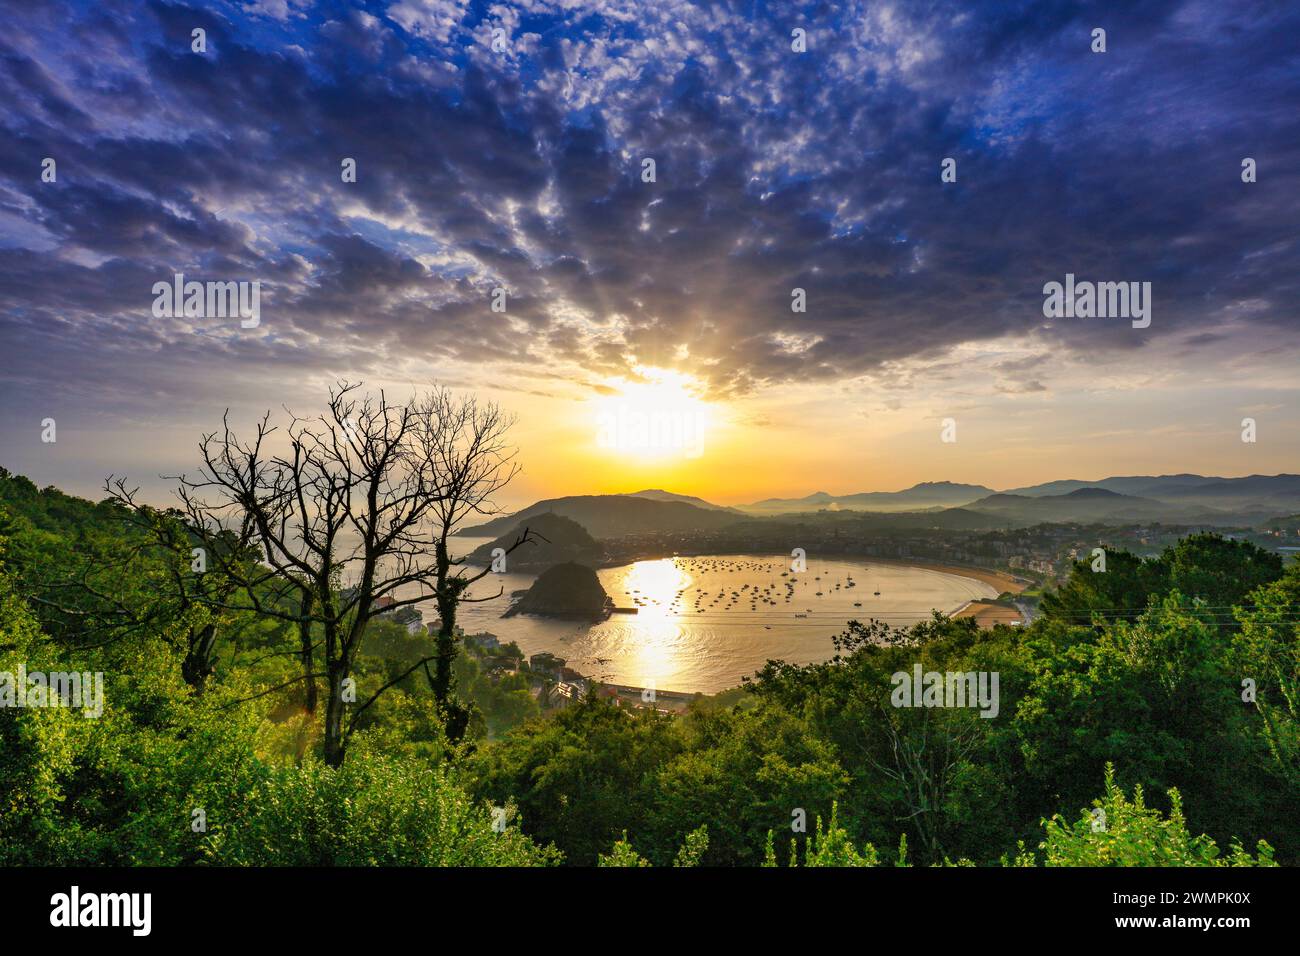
570	591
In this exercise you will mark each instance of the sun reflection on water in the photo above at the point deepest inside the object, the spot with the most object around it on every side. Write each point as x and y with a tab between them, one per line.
655	589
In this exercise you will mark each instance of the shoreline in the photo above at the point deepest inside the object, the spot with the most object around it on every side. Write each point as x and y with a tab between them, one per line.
998	580
987	614
983	609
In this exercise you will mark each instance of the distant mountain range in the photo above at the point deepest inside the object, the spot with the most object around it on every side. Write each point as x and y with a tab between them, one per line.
928	494
1168	499
1253	493
1253	490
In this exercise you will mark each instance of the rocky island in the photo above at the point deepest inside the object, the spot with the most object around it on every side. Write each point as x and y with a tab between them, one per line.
570	591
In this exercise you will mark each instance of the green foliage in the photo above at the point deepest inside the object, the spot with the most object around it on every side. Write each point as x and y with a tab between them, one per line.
622	855
1125	585
1119	832
693	850
503	699
1132	834
1266	652
834	848
1141	667
372	811
1160	694
123	788
738	772
581	777
938	769
1217	571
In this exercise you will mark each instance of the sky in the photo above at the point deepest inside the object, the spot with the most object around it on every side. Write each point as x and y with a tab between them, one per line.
647	333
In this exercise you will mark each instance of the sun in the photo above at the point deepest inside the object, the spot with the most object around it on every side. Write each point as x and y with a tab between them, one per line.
657	415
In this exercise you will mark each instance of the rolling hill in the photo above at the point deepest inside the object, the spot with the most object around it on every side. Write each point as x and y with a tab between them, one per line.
1097	505
658	494
1180	498
609	516
1169	499
928	494
1252	493
558	540
1144	485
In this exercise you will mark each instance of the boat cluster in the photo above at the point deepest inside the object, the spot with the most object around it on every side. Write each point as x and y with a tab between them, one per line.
753	596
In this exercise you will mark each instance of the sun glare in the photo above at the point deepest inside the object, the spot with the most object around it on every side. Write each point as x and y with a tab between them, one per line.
655	416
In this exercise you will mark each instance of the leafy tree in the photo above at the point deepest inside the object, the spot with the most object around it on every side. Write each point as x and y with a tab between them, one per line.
1125	586
581	777
622	855
935	773
1123	832
1266	652
693	850
1218	571
1159	694
738	772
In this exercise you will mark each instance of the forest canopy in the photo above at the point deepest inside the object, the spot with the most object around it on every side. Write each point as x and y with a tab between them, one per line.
1147	717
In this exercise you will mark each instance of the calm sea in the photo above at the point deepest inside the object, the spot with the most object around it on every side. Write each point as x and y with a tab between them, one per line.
702	623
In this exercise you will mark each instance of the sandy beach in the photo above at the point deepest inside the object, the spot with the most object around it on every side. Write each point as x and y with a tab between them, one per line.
987	614
999	580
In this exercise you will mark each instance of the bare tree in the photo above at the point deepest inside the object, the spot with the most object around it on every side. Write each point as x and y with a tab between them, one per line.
352	516
466	441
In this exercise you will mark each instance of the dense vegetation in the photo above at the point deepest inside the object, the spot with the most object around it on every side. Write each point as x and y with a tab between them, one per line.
1160	697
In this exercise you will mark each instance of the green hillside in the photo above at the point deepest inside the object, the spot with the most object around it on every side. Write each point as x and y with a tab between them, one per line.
1161	692
552	539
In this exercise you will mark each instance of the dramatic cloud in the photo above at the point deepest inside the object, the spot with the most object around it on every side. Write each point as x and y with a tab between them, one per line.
521	168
